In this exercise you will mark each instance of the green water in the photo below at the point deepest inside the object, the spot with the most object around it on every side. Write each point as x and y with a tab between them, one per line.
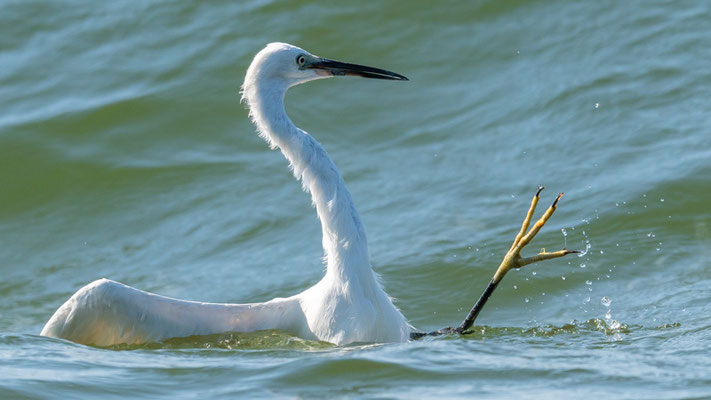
125	153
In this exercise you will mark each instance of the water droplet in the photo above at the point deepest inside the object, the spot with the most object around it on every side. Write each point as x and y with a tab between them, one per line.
587	300
602	252
606	301
597	105
662	200
562	277
533	273
588	282
582	265
608	315
515	287
565	233
526	299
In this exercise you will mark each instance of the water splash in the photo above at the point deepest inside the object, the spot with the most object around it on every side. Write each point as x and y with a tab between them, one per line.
588	246
590	326
565	237
606	301
611	326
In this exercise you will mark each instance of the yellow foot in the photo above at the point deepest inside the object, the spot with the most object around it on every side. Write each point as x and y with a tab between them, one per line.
513	258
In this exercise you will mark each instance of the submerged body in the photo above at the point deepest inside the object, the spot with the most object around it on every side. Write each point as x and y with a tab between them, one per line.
105	313
347	305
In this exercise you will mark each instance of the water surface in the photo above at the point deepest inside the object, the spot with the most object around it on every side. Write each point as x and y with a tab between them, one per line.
125	153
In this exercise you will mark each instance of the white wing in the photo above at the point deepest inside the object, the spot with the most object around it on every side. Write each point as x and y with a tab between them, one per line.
105	313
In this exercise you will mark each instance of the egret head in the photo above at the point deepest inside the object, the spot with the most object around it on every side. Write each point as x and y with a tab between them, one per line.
282	65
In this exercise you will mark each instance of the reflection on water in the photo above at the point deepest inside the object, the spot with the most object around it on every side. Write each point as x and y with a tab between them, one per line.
270	339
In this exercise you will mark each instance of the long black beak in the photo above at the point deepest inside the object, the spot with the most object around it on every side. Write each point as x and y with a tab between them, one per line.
340	68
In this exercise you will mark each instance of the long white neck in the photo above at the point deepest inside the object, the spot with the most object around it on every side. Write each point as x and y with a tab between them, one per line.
344	239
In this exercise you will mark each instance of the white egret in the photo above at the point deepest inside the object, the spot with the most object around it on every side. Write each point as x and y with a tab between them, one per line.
348	305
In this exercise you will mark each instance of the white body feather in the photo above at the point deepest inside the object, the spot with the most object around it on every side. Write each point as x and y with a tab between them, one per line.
347	305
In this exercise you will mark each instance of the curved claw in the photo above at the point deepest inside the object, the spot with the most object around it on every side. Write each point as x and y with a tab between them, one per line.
555	202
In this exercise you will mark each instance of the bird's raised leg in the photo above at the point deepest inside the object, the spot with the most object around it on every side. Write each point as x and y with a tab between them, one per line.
512	259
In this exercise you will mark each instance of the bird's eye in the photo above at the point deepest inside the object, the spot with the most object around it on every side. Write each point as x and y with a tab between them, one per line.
300	60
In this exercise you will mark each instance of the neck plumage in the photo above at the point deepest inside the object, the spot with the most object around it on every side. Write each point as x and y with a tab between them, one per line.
344	239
